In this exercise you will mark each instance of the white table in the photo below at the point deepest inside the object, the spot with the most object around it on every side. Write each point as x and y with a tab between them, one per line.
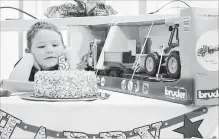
121	112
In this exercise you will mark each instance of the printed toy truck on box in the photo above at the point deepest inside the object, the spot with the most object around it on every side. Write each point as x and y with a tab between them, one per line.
179	58
207	50
121	63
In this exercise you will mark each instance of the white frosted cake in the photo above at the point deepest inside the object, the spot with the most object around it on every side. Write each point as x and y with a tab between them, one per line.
65	84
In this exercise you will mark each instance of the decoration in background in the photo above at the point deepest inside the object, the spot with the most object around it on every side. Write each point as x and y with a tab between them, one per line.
80	9
9	123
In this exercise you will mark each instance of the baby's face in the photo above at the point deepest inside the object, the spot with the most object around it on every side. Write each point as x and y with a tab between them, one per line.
47	47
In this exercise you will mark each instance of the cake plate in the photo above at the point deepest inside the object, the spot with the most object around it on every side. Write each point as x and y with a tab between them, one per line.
29	96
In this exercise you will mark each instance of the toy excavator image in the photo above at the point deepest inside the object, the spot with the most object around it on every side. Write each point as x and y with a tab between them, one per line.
206	50
121	64
166	57
154	59
89	60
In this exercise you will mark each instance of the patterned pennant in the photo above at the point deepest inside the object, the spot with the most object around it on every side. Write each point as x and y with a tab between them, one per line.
2	114
9	125
41	134
113	135
144	132
157	127
73	135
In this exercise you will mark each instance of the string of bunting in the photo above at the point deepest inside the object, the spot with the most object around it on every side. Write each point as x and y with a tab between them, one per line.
11	123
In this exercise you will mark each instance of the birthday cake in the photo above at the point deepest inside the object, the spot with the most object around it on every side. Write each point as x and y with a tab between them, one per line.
65	84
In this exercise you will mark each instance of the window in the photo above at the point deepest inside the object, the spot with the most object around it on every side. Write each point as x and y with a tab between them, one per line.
124	7
30	8
174	7
41	6
9	13
8	40
9	52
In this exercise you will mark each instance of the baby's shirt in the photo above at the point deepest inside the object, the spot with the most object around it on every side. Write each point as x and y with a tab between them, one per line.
35	70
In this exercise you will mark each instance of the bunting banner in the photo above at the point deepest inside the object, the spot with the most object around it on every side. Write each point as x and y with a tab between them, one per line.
9	123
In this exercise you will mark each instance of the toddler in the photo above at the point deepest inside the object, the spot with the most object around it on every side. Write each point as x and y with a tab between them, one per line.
44	46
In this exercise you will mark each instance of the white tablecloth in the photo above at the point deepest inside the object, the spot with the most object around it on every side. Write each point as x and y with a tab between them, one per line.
121	112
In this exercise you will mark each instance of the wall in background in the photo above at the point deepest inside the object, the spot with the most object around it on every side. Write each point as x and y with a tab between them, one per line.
174	7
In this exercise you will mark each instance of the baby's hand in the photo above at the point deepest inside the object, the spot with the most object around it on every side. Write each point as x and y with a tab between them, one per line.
32	57
36	65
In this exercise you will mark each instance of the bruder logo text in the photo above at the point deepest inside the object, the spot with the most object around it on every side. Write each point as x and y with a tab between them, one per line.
175	93
208	94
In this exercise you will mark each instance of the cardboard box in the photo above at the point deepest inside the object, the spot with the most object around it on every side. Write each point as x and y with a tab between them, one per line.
199	47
